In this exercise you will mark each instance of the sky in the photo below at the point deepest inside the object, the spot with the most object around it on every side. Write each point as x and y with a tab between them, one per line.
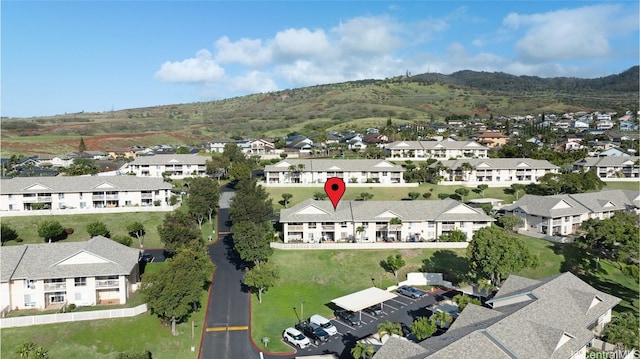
62	57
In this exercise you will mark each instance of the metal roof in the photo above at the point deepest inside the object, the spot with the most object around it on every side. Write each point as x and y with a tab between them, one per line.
365	298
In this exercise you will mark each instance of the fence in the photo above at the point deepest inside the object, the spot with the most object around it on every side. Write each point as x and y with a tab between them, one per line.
70	211
546	237
71	317
376	245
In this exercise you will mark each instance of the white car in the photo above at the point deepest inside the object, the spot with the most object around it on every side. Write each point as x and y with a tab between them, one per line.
324	323
294	337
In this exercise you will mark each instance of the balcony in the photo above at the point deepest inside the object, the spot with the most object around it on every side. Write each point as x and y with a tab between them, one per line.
146	195
328	227
98	197
294	227
55	286
107	283
39	199
448	227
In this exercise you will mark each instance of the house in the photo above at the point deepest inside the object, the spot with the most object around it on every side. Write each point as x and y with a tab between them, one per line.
217	145
423	150
301	144
492	139
614	152
49	275
501	172
373	221
85	193
556	317
611	167
308	171
563	214
173	165
375	138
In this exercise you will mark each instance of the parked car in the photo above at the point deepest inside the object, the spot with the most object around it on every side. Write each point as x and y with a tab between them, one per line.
407	333
410	292
324	323
146	257
313	331
294	337
374	309
347	316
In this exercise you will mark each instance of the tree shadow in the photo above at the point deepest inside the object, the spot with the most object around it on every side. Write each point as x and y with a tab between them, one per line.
453	267
232	255
349	341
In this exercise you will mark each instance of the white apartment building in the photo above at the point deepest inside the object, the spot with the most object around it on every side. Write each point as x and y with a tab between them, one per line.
424	150
174	165
499	172
308	171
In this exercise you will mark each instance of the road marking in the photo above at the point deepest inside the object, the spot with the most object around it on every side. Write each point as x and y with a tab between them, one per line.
224	233
225	329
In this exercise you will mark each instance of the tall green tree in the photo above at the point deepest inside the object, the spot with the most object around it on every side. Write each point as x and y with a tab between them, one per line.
480	189
179	229
455	235
98	228
203	198
423	328
218	166
493	254
510	222
441	318
82	147
462	192
174	291
252	241
136	229
462	300
616	237
623	330
362	351
82	166
286	198
260	278
389	328
251	203
394	263
50	230
7	233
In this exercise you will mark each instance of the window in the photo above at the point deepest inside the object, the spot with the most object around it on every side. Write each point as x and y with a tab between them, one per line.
312	225
60	195
28	301
343	224
431	225
29	284
385	173
80	281
566	219
463	224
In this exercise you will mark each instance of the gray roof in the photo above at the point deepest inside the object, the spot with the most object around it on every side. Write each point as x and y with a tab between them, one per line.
395	348
552	321
432	145
576	204
371	211
171	159
498	163
607	161
330	165
45	260
69	184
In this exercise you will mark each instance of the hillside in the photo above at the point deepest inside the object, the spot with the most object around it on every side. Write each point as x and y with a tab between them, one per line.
424	97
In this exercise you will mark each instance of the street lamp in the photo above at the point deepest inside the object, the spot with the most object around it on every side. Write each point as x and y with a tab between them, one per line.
294	310
373	281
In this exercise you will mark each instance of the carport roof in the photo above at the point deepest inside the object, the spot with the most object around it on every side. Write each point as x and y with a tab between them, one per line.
363	299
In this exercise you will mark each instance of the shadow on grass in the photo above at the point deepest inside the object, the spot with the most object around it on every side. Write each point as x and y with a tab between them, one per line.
594	272
453	267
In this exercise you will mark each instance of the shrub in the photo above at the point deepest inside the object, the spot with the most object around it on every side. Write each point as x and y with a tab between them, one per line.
68	231
124	240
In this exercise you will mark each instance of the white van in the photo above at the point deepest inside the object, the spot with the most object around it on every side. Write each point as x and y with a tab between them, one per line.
324	323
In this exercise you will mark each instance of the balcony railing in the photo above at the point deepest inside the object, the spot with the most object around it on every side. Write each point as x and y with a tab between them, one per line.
98	197
55	286
328	227
448	227
294	227
38	199
104	283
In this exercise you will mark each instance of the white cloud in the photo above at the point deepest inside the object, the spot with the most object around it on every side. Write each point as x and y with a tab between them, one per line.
201	68
565	34
253	82
373	35
302	42
245	51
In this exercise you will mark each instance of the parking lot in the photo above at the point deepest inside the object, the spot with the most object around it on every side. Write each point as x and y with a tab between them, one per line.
401	309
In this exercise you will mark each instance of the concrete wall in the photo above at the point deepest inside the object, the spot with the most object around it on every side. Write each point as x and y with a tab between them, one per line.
71	317
378	245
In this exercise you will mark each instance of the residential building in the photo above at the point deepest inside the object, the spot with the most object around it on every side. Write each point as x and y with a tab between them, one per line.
563	214
611	167
175	166
49	275
259	147
308	171
556	317
493	171
373	221
492	139
423	150
217	145
24	194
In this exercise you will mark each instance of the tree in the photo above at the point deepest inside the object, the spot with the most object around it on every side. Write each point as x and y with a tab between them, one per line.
204	195
136	229
441	319
82	166
455	235
481	188
252	241
466	168
364	196
615	237
394	263
389	328
423	328
285	199
218	166
443	195
7	233
174	291
319	196
493	254
510	222
179	229
82	147
623	330
360	229
414	195
362	351
98	228
122	239
515	190
30	350
50	230
462	300
261	278
251	203
462	192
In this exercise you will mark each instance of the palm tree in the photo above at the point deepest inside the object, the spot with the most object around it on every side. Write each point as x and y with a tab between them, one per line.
25	349
362	351
359	229
389	328
466	170
441	318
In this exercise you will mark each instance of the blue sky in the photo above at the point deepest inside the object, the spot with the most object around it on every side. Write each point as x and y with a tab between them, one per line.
64	57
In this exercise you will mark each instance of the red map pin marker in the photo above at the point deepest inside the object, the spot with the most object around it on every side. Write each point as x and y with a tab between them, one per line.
334	188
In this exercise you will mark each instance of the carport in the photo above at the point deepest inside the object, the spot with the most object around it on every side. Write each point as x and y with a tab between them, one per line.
365	298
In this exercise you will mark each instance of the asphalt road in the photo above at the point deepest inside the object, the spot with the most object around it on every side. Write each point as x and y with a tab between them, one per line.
227	323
